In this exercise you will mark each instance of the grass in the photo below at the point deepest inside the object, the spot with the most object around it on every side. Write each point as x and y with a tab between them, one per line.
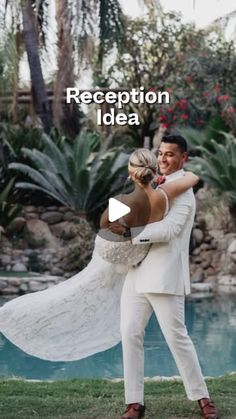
101	399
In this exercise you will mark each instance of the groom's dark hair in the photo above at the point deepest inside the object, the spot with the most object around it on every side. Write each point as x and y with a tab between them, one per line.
176	139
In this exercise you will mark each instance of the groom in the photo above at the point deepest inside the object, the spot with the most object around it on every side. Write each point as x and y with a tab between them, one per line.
160	284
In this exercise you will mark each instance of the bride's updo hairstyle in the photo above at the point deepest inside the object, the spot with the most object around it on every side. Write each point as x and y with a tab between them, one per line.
143	165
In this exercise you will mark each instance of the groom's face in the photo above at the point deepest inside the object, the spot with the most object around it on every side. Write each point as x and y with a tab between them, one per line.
170	158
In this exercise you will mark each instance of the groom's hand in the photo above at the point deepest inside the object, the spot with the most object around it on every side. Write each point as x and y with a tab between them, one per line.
117	228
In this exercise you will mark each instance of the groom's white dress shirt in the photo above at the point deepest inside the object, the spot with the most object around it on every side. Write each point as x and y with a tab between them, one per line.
166	267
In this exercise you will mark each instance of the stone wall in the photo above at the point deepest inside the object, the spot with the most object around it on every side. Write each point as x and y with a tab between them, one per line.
26	284
51	241
213	243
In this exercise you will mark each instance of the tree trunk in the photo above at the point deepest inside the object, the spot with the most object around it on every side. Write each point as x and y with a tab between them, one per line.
65	116
232	211
38	85
15	82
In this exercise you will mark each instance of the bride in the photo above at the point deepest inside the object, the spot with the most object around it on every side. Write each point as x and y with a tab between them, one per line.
80	316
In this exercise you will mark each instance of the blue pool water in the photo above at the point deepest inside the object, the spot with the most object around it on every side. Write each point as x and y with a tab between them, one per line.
212	326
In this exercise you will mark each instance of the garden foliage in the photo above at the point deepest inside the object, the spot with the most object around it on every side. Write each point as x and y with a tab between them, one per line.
82	175
8	210
217	167
197	67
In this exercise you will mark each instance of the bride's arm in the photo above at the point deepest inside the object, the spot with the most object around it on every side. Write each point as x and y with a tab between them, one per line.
165	229
168	228
104	221
173	223
179	186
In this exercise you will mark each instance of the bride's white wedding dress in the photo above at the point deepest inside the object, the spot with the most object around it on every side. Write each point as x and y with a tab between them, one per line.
78	317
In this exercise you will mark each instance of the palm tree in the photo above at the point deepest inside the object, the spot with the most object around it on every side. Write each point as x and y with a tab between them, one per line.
104	18
82	26
65	117
29	13
77	26
11	51
31	45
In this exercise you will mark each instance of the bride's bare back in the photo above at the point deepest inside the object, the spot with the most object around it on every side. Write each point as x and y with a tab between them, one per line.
149	205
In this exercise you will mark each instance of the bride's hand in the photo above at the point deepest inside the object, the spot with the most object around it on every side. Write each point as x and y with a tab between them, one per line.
192	176
117	228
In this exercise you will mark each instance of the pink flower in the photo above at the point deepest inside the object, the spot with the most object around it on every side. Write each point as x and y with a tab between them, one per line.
223	98
200	121
189	79
216	88
163	118
230	109
183	104
184	116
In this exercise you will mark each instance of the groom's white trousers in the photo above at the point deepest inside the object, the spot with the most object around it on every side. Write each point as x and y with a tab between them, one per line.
136	310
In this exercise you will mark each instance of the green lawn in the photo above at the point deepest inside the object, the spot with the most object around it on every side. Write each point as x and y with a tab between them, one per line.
103	399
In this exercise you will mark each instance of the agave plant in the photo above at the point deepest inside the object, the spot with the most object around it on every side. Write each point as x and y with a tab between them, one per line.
8	211
81	175
197	138
218	167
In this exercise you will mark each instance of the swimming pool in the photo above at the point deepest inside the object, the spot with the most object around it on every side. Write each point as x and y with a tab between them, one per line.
212	326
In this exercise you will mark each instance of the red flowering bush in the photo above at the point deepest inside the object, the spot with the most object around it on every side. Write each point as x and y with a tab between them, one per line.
197	68
177	113
182	112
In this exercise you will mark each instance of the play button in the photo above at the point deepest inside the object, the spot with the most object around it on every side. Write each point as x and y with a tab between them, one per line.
117	209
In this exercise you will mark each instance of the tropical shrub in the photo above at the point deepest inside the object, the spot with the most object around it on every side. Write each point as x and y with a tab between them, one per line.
81	175
196	138
217	167
8	210
14	137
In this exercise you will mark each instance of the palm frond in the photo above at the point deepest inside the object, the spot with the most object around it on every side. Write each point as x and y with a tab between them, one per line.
34	187
57	156
33	174
111	26
5	192
41	12
41	160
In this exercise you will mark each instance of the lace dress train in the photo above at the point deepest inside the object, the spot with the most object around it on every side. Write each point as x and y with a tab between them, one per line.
78	317
71	320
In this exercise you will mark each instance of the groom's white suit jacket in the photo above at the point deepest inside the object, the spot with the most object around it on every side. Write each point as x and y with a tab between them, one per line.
166	267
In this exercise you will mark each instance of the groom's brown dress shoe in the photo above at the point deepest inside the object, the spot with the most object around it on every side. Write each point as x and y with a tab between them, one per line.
134	411
208	409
